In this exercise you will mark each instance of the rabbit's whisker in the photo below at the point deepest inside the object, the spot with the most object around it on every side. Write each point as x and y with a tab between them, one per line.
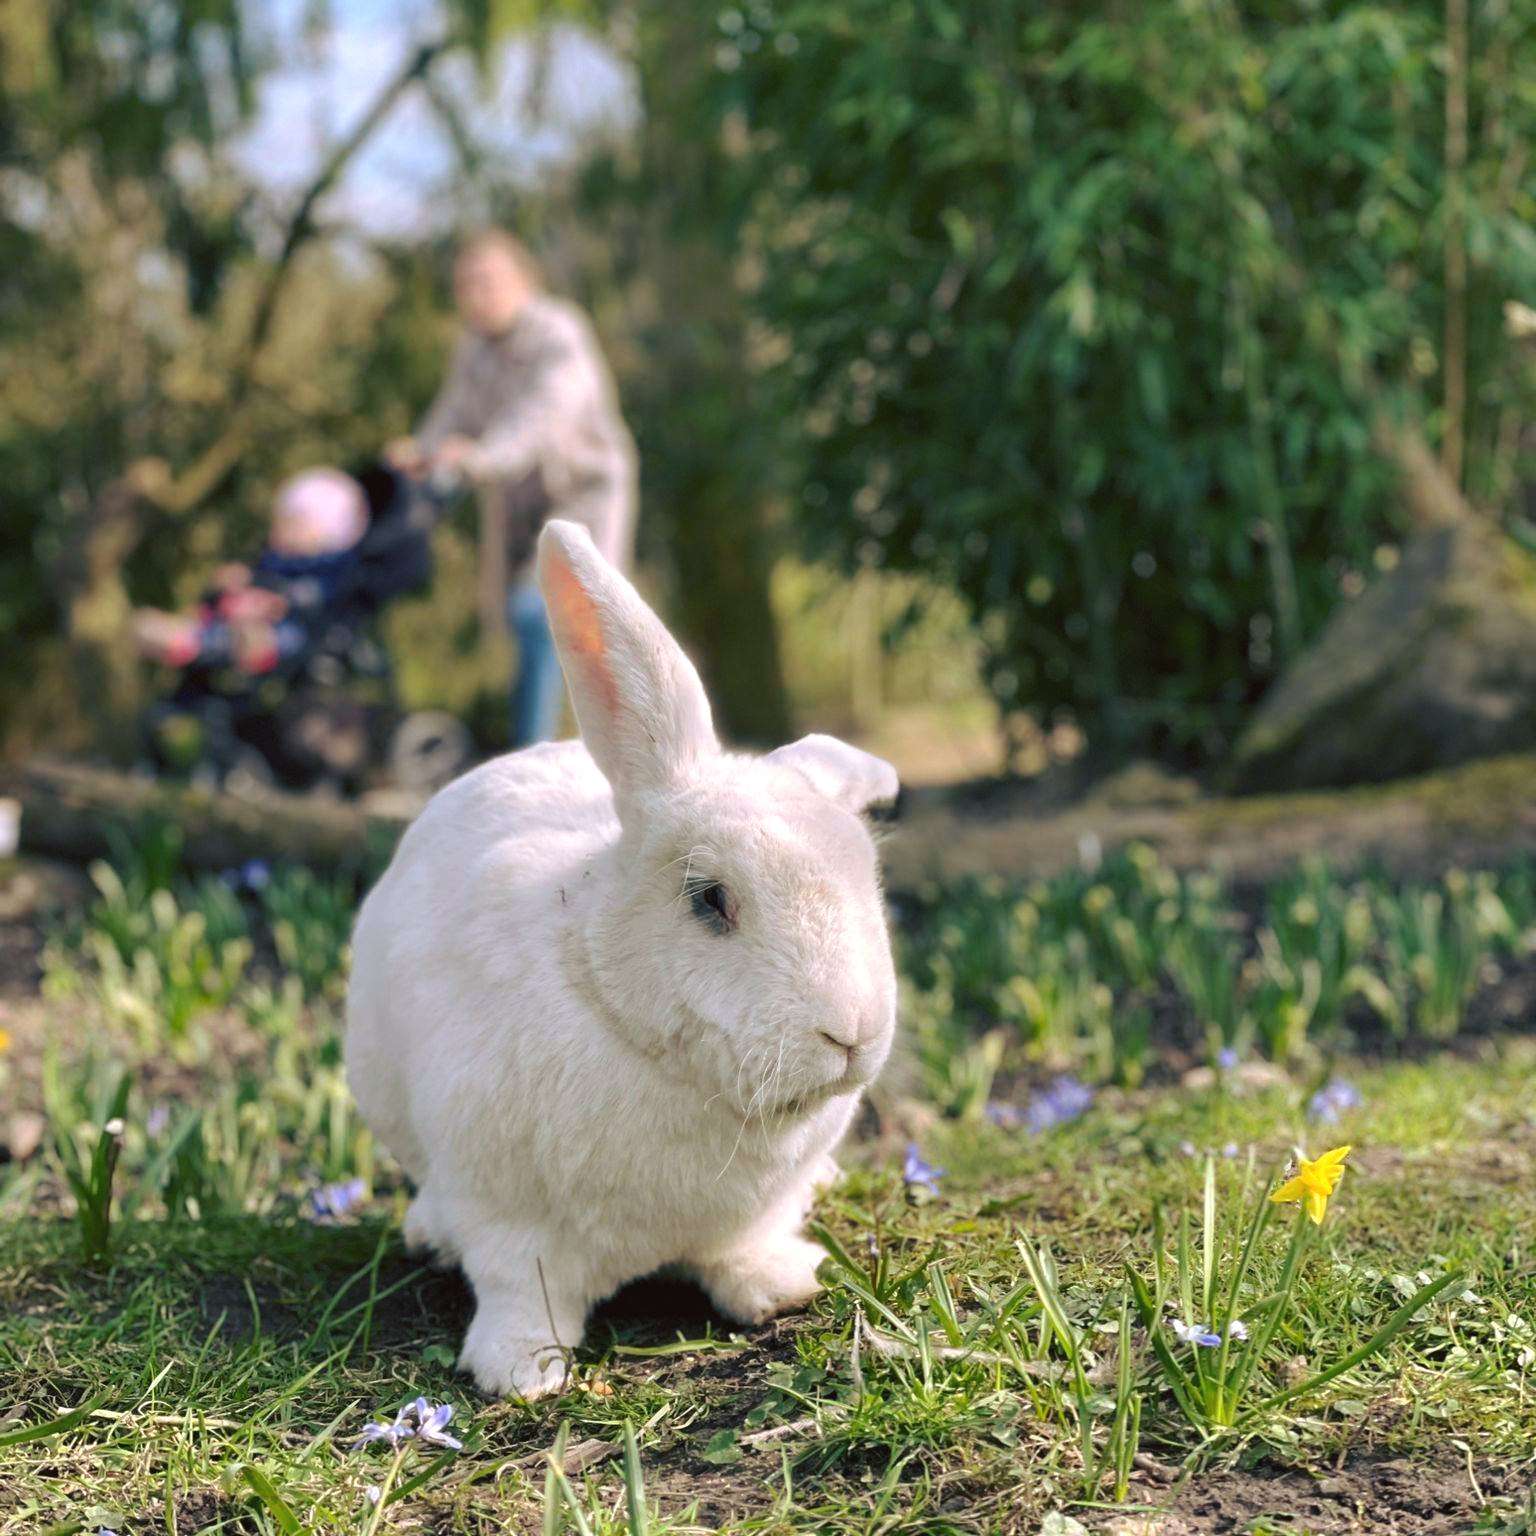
741	1130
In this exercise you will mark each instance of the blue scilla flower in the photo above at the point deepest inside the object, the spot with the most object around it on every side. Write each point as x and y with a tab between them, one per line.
330	1202
918	1174
1193	1333
418	1420
1063	1101
1330	1102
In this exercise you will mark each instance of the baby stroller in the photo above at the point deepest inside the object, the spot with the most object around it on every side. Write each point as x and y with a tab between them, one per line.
323	714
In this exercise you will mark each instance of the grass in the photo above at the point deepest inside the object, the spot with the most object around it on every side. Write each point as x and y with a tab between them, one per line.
201	1351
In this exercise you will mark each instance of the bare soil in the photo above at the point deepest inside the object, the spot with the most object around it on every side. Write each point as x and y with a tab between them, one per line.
1385	1496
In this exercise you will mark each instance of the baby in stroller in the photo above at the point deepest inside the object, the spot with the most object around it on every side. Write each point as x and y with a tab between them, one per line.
280	678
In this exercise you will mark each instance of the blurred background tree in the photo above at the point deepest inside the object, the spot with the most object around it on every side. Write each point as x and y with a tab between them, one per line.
184	336
656	206
174	343
1087	318
1093	312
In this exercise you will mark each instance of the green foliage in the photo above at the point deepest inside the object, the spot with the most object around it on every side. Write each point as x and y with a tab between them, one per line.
88	1154
1111	1460
1091	313
163	952
1435	952
128	332
185	967
586	1511
1098	972
659	222
1311	947
921	1363
310	918
159	964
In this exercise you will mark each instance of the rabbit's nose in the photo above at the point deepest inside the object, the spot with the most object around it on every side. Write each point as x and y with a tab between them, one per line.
847	1047
859	1026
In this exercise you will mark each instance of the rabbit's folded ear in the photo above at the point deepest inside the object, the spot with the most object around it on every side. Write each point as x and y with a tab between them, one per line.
857	781
639	702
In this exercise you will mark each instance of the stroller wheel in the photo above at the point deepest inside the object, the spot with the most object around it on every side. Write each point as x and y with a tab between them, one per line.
427	749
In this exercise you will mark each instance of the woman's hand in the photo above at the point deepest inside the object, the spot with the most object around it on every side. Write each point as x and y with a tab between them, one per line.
405	455
451	454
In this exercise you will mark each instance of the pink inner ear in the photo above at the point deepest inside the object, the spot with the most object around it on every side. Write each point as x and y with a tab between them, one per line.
581	632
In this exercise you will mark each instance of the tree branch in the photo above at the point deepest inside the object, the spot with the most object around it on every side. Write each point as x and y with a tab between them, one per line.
301	224
178	494
457	129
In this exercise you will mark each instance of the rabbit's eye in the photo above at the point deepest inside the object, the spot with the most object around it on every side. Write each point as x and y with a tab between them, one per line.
713	905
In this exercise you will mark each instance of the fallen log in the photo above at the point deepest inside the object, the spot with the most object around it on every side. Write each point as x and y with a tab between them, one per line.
1478	814
69	810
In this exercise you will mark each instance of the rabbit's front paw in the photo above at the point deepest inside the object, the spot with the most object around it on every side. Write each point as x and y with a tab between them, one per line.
529	1310
759	1281
507	1367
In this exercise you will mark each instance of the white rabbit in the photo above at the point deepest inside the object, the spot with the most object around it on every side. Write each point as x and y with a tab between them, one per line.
615	1001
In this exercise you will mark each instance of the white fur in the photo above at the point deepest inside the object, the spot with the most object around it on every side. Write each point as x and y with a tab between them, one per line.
584	1081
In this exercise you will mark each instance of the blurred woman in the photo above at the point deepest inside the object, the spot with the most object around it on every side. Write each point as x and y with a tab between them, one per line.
530	416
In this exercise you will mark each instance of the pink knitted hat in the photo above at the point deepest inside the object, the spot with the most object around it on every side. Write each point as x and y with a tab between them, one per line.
318	511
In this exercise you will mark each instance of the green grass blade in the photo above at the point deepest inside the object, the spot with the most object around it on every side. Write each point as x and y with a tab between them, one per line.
59	1426
944	1306
551	1524
829	1240
277	1505
434	1468
1160	1251
1301	1240
1378	1340
1227	1401
634	1484
583	1525
1208	1243
853	1278
1261	1216
552	1493
1174	1373
158	1167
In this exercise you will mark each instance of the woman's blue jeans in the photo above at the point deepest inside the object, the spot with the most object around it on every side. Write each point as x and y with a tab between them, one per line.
539	688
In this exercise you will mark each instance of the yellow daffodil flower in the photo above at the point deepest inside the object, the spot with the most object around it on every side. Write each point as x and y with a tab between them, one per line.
1314	1182
5	1041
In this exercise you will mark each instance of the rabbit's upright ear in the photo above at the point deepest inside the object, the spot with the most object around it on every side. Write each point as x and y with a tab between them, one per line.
857	781
639	702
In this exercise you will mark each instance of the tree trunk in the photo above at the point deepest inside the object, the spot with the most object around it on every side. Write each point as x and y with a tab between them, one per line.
1453	442
720	554
706	470
88	584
